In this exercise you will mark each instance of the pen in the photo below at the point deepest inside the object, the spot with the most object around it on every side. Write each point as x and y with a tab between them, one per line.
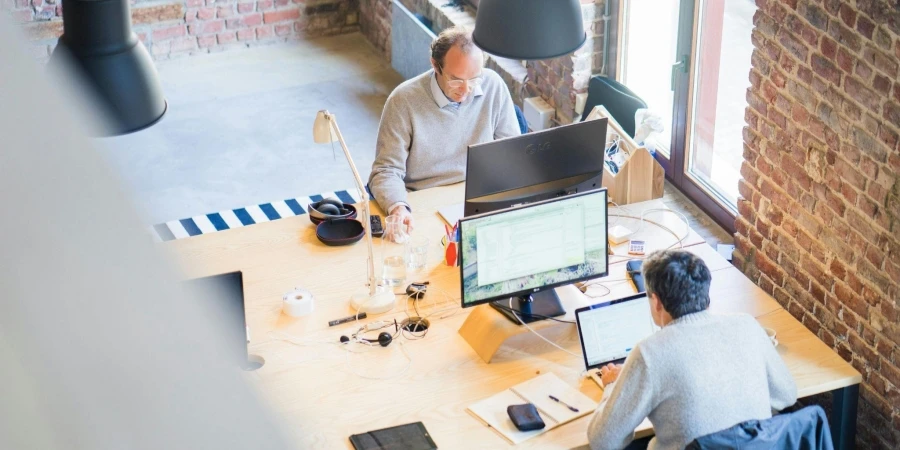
571	408
334	322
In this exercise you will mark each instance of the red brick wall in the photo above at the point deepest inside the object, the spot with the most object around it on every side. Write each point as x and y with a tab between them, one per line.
188	27
819	221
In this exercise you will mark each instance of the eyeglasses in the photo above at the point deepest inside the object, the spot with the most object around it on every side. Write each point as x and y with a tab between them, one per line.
456	84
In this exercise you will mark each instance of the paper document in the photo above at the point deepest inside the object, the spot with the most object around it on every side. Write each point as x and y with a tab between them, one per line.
452	213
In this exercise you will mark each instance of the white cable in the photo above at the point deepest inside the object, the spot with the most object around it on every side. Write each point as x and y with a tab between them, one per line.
538	334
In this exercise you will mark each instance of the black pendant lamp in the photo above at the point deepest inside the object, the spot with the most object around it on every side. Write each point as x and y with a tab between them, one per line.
529	29
99	43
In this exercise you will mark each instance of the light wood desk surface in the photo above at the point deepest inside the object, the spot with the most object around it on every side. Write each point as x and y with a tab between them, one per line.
314	384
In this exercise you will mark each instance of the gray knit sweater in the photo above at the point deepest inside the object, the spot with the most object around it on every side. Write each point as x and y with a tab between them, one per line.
422	143
697	375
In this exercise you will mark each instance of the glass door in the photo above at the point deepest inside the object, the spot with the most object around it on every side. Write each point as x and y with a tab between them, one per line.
720	80
689	60
649	34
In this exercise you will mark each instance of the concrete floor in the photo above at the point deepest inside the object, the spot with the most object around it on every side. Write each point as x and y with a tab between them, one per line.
238	130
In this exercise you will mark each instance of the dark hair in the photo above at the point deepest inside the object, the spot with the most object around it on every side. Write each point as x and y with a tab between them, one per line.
453	36
680	279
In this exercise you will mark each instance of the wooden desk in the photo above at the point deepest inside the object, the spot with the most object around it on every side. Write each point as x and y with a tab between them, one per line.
314	385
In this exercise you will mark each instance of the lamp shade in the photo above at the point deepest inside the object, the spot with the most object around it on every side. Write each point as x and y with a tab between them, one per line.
529	29
112	62
322	132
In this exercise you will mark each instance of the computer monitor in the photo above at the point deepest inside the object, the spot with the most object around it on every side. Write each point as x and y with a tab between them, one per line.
513	258
223	295
535	166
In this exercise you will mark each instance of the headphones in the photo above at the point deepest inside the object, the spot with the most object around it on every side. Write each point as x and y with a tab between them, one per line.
384	338
330	207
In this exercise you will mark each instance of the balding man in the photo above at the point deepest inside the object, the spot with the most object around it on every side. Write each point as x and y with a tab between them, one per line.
430	120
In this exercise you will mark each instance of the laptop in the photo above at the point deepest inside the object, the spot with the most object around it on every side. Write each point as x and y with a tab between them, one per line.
609	330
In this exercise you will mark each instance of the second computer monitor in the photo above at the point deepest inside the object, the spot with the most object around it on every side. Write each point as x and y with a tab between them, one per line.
514	257
535	166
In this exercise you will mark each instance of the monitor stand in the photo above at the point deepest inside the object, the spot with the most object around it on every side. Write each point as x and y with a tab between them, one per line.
544	304
254	362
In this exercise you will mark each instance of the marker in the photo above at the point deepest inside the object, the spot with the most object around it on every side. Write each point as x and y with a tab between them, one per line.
334	322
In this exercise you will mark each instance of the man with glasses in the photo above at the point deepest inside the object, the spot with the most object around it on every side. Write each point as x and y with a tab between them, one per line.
429	121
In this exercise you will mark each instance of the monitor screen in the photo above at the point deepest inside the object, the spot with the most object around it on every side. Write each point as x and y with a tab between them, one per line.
610	330
534	247
535	166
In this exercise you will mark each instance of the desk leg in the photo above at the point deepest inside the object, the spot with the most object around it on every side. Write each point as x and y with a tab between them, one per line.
843	417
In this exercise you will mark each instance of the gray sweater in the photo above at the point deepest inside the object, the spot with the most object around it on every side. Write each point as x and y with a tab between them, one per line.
423	137
697	375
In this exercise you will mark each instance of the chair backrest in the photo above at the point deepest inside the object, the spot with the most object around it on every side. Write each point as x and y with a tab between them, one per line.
520	117
620	101
806	429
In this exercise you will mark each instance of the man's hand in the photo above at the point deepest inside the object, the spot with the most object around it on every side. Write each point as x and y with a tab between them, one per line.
610	373
406	218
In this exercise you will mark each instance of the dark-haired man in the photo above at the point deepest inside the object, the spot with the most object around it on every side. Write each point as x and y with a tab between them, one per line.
699	374
430	120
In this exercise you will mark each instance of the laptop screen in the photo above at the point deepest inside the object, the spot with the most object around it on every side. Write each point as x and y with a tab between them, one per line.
608	331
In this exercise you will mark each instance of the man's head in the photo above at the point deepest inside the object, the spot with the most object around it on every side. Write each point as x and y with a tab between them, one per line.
677	283
457	63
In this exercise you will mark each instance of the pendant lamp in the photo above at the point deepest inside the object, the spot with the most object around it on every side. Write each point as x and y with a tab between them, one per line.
111	61
529	29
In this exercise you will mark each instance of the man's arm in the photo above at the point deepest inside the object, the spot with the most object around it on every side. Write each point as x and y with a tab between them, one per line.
507	124
782	388
391	151
625	407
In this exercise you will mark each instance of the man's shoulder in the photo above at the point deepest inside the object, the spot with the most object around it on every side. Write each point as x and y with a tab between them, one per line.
413	87
492	81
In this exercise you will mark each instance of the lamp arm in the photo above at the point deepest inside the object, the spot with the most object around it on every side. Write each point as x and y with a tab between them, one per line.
364	196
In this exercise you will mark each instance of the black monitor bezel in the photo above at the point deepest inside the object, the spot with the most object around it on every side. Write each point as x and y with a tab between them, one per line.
578	312
462	266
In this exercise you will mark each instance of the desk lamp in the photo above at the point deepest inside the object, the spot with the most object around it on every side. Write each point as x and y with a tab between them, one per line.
377	299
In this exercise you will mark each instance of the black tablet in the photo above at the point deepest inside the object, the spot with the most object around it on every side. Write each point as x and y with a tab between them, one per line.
412	436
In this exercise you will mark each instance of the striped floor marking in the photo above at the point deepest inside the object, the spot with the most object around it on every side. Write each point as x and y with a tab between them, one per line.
242	217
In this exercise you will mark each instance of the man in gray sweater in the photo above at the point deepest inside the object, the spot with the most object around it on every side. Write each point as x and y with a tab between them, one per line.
699	374
429	121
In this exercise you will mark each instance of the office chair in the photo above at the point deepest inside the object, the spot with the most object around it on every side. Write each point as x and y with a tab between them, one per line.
620	101
806	429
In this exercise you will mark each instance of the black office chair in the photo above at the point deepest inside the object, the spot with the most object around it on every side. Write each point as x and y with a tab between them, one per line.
806	429
620	101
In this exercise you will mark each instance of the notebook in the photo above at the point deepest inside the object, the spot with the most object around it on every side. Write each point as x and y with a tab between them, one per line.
492	410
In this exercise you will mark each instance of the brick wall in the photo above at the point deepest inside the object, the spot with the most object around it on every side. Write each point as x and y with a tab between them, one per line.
819	221
557	80
187	27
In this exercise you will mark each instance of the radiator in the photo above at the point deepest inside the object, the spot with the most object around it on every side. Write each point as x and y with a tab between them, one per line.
410	42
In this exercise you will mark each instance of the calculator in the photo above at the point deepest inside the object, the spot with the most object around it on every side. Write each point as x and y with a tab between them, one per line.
636	247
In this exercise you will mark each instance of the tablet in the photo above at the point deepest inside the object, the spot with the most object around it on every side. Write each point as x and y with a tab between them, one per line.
412	436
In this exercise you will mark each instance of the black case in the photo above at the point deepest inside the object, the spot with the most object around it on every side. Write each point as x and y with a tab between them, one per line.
525	417
633	269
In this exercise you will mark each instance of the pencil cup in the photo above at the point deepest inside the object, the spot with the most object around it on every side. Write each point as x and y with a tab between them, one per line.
451	252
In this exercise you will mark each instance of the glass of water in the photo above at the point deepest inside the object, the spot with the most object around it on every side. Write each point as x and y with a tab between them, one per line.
417	255
393	251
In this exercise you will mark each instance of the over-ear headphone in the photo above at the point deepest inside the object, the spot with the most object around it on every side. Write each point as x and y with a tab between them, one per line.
330	206
384	338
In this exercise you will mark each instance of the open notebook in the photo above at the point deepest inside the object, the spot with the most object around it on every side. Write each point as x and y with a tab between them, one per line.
492	410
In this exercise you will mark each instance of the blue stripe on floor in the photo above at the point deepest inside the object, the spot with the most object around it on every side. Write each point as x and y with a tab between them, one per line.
269	211
345	197
172	230
217	221
163	231
244	216
295	207
191	227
